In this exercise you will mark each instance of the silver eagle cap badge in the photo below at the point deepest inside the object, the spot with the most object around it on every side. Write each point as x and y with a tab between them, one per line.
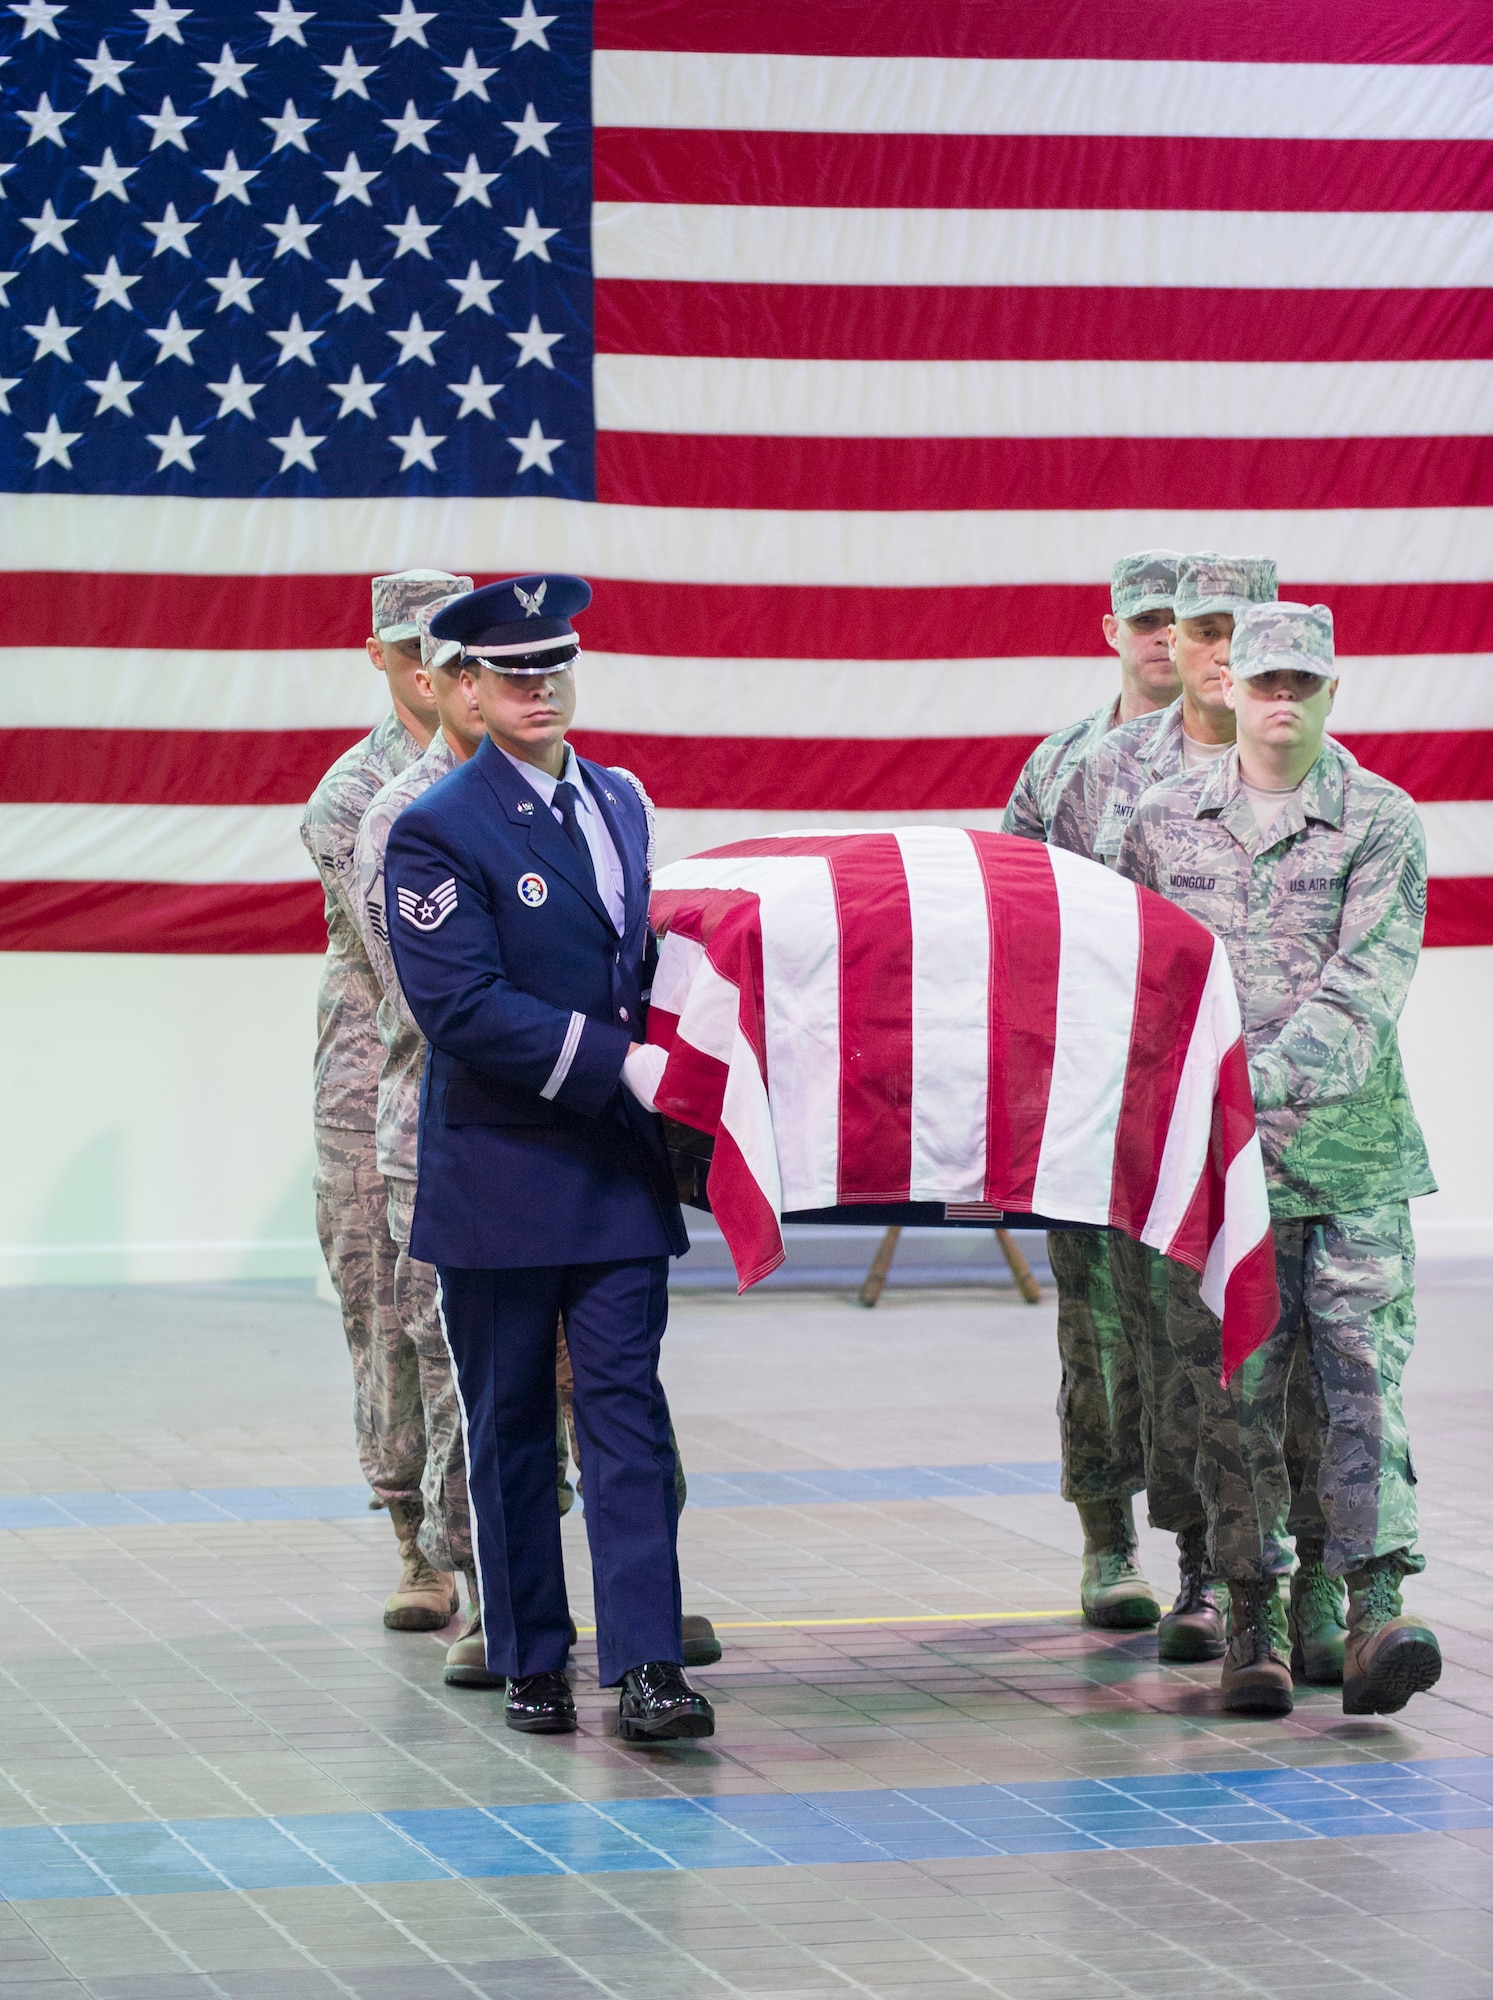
530	601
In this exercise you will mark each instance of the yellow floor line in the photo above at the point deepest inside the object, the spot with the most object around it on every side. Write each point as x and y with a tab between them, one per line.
922	1618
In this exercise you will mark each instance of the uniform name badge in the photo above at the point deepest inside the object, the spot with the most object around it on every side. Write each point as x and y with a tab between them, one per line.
532	890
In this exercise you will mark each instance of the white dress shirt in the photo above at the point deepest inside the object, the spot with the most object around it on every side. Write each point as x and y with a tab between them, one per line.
605	860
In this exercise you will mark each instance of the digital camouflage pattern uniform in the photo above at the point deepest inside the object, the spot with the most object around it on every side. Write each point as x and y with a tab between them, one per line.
1322	919
351	1202
424	1410
1100	1401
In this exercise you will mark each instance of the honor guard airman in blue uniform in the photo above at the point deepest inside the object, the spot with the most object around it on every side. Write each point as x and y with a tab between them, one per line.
518	912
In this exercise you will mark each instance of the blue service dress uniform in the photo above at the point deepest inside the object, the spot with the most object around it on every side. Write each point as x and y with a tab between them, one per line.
544	1189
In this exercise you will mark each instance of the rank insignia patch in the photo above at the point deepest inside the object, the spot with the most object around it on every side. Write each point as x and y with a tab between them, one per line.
532	889
428	913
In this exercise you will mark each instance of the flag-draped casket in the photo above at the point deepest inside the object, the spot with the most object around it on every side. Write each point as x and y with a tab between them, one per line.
936	1015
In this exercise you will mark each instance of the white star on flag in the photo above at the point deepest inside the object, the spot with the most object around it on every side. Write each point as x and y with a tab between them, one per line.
418	447
529	240
535	449
355	289
474	289
233	288
103	70
410	129
285	24
5	278
174	445
352	182
113	392
296	448
227	73
236	393
529	27
475	394
290	128
470	79
45	122
408	26
231	180
174	340
530	132
349	75
292	234
37	18
171	232
167	126
52	443
7	383
51	336
112	286
356	394
412	234
534	344
161	19
471	183
48	229
109	177
6	167
415	341
295	342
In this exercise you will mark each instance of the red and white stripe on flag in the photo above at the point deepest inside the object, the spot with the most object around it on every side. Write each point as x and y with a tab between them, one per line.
929	1014
908	320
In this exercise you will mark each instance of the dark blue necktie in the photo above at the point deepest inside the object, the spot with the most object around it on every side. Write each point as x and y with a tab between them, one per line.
565	801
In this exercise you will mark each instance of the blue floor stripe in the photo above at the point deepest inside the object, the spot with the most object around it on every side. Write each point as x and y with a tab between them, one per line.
759	1830
334	1503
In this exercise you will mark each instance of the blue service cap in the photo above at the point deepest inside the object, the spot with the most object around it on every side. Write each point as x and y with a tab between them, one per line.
517	626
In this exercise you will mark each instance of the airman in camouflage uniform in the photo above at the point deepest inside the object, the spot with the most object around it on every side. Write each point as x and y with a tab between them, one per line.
351	1196
1317	888
1100	1399
1097	797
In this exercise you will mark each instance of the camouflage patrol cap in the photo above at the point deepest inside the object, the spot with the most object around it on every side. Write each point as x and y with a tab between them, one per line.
397	598
437	652
1271	637
1143	582
1211	582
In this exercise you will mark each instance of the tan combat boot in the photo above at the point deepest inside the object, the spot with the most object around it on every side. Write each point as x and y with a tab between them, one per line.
426	1598
1113	1592
466	1661
1256	1679
1388	1656
1315	1617
1193	1628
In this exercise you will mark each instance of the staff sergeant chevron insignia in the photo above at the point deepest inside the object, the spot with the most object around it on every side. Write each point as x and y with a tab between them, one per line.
428	913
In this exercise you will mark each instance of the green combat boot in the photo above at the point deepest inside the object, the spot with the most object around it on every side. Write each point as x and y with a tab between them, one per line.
1388	1656
1113	1593
701	1648
1193	1628
1316	1620
466	1661
1256	1679
426	1598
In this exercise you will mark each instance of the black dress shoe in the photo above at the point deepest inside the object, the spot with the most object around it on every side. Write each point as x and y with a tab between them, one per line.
700	1647
540	1704
659	1706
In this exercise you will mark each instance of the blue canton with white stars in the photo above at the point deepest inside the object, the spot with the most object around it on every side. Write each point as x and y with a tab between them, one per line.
296	251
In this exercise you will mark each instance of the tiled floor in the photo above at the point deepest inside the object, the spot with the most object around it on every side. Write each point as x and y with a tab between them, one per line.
224	1777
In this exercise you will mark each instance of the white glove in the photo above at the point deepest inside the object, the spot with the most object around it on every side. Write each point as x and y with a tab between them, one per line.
643	1071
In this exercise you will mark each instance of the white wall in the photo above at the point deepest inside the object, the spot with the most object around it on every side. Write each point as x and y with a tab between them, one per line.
158	1116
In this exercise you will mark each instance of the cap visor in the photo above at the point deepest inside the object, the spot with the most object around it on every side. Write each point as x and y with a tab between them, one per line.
1144	604
1284	663
1209	607
396	632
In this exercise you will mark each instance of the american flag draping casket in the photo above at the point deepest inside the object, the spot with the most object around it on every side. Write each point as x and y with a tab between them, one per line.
936	1015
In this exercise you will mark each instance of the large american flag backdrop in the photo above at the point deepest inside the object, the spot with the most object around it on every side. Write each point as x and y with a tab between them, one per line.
842	343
